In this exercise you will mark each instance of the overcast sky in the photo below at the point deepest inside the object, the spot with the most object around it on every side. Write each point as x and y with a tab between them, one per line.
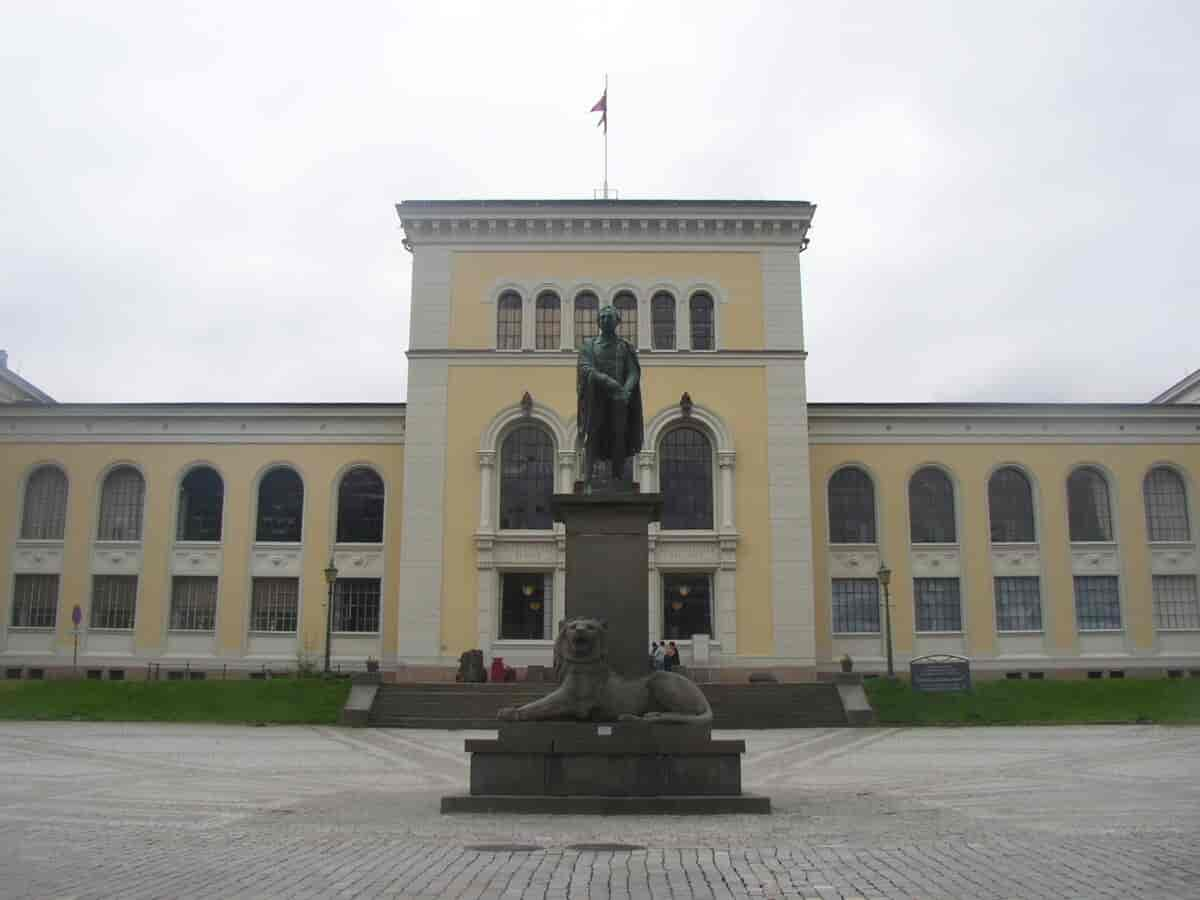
196	199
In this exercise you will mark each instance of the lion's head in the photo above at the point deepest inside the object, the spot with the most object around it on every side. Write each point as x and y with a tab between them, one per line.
582	640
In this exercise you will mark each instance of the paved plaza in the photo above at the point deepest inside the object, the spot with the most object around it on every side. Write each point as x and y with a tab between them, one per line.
130	811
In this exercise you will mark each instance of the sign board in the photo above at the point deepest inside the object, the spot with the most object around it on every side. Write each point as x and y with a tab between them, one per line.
940	672
77	615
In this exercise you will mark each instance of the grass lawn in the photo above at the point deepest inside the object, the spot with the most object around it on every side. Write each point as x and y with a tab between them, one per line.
1043	702
282	700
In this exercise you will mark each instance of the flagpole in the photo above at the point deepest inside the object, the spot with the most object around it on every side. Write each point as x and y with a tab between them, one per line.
605	135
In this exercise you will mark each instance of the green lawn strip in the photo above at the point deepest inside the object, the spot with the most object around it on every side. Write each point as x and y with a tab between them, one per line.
1039	702
281	700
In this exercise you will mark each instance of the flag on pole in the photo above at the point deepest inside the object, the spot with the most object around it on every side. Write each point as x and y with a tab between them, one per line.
602	108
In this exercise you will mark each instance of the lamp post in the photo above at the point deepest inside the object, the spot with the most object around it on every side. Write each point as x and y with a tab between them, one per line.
331	574
885	578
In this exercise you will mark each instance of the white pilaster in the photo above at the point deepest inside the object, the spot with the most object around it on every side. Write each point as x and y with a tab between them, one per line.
726	460
487	465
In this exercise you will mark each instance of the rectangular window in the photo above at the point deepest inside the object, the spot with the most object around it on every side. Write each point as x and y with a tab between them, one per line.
939	606
1176	604
547	330
855	606
35	601
356	605
526	606
1097	603
587	321
1018	603
274	604
193	603
114	598
687	605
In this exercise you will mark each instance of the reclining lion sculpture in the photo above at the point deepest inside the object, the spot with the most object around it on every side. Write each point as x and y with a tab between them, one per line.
592	690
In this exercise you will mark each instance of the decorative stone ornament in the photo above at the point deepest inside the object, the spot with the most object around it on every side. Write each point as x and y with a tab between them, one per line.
527	404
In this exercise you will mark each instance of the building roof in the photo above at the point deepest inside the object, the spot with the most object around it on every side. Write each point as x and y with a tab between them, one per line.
1179	389
31	391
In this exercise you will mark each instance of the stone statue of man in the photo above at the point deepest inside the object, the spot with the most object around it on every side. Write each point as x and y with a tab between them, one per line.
610	399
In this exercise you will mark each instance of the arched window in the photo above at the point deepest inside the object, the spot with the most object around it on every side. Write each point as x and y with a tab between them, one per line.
121	505
931	507
508	321
704	332
587	312
526	478
1088	507
45	513
548	321
851	507
360	507
280	506
1166	506
201	499
685	479
662	321
627	306
1010	507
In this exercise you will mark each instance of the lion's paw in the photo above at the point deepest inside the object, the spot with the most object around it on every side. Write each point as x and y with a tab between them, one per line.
628	717
507	714
650	716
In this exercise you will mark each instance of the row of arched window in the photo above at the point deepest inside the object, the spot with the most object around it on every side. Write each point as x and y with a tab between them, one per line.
279	512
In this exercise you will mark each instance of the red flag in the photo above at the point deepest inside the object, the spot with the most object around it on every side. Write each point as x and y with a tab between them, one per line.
602	108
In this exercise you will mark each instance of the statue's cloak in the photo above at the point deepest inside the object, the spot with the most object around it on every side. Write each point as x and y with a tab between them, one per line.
595	430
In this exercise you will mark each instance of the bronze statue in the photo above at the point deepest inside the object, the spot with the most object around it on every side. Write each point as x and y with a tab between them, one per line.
610	399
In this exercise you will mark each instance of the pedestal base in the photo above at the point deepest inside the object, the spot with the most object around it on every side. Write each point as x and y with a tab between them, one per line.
604	806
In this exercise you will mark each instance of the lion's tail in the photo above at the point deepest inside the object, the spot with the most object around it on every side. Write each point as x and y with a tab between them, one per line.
704	718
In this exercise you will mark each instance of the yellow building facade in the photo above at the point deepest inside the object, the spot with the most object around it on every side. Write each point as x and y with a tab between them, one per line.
1029	538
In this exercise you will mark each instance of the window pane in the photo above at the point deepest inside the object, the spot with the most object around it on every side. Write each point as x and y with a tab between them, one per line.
548	323
1010	505
508	321
526	478
113	600
687	606
121	506
201	499
855	606
45	513
1018	604
662	321
1175	602
356	605
1166	506
851	508
587	323
526	605
1087	499
703	328
1097	604
686	480
274	603
35	601
626	304
931	507
193	604
360	507
280	506
938	604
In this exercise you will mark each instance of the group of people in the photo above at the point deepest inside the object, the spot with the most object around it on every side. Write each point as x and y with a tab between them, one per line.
664	656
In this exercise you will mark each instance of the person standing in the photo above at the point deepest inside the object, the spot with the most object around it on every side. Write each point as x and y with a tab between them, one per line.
671	656
657	657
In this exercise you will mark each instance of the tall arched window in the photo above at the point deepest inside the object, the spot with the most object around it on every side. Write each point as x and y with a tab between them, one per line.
704	331
548	321
201	500
44	516
508	321
686	479
587	312
662	321
1166	506
851	507
280	506
360	507
526	478
931	507
1088	508
627	306
1010	507
121	502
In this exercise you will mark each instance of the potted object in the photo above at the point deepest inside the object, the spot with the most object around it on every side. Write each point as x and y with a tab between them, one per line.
372	664
847	663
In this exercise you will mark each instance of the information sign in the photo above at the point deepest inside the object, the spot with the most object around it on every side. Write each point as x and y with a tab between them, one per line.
940	672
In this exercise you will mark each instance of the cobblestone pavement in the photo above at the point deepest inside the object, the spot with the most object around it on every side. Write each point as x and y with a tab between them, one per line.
208	811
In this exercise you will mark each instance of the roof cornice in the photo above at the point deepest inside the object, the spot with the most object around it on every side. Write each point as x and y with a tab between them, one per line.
1178	389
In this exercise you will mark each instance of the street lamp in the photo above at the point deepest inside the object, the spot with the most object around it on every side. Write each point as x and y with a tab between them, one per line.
331	580
885	578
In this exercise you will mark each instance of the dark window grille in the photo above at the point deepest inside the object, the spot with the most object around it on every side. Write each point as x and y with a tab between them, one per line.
526	478
851	507
508	321
280	506
931	507
356	605
1010	507
1018	603
686	479
114	598
526	605
45	514
193	603
627	306
548	321
201	500
587	321
1087	502
35	601
687	605
1097	603
702	321
121	505
662	321
939	606
855	606
273	604
1166	506
1176	604
360	507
